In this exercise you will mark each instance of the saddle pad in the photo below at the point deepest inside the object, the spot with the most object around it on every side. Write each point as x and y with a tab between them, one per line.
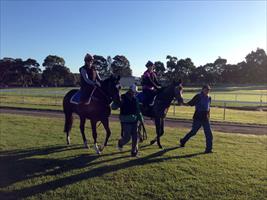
75	99
141	97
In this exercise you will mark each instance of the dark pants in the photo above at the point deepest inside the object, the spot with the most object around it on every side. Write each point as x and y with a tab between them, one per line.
207	130
148	96
86	93
129	131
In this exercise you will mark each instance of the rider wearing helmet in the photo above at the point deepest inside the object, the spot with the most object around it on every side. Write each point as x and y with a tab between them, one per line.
89	78
150	84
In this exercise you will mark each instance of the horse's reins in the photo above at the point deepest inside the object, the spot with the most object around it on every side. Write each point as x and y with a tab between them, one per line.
103	93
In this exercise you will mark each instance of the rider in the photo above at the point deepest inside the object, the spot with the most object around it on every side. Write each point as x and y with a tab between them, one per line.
89	78
150	84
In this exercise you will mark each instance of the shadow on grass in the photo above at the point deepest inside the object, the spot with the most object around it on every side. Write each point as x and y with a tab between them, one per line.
20	165
23	167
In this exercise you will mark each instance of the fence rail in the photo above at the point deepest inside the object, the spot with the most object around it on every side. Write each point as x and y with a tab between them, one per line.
222	109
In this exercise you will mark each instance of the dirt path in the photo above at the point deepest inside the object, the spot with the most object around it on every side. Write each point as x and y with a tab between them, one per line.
217	126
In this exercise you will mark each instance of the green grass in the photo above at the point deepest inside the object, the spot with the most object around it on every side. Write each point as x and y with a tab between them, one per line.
51	98
181	112
228	93
36	164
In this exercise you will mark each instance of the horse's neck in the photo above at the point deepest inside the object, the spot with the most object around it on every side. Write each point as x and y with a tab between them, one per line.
166	96
102	94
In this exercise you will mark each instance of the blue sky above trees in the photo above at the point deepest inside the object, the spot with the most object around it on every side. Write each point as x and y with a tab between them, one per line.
149	30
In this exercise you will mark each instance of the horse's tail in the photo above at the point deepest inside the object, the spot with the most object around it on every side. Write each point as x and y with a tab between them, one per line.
68	110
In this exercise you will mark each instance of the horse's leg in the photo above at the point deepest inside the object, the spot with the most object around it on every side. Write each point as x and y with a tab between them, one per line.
158	130
105	123
155	139
93	125
121	130
68	120
162	127
82	126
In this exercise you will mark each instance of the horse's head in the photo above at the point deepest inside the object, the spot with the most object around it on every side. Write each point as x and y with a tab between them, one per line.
112	87
178	91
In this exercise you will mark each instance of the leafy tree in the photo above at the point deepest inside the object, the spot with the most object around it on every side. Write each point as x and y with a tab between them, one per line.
198	75
19	72
171	68
52	60
55	75
256	68
160	70
184	68
102	66
30	72
6	70
231	74
121	66
70	80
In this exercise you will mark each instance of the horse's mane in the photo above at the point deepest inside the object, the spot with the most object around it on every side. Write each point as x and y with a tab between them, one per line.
104	83
165	91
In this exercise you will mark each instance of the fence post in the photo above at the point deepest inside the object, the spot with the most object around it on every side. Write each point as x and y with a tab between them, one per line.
174	109
224	110
56	98
23	101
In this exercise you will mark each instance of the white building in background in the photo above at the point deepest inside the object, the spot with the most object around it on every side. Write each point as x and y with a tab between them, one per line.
127	81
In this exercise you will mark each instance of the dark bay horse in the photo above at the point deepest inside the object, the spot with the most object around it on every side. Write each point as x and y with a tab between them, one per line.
97	110
160	107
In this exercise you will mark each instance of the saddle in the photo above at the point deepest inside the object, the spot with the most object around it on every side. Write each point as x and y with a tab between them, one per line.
141	98
75	99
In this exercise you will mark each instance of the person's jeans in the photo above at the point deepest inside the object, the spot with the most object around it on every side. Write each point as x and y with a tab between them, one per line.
207	130
129	131
148	96
85	93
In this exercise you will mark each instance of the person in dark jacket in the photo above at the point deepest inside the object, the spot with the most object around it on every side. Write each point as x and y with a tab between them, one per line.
150	84
201	117
89	78
130	114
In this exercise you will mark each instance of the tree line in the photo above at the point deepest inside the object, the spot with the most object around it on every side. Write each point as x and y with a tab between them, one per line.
28	73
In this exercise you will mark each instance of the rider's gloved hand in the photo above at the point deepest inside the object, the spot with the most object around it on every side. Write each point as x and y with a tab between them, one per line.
158	87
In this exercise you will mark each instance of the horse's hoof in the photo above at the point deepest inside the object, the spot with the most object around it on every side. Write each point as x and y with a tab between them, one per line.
86	145
160	146
101	148
68	140
152	142
97	150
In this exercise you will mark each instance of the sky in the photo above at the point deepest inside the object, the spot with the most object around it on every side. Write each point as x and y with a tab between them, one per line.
140	30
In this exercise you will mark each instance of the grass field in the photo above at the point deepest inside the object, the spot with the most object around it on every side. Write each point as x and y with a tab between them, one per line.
181	112
36	164
51	98
227	93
